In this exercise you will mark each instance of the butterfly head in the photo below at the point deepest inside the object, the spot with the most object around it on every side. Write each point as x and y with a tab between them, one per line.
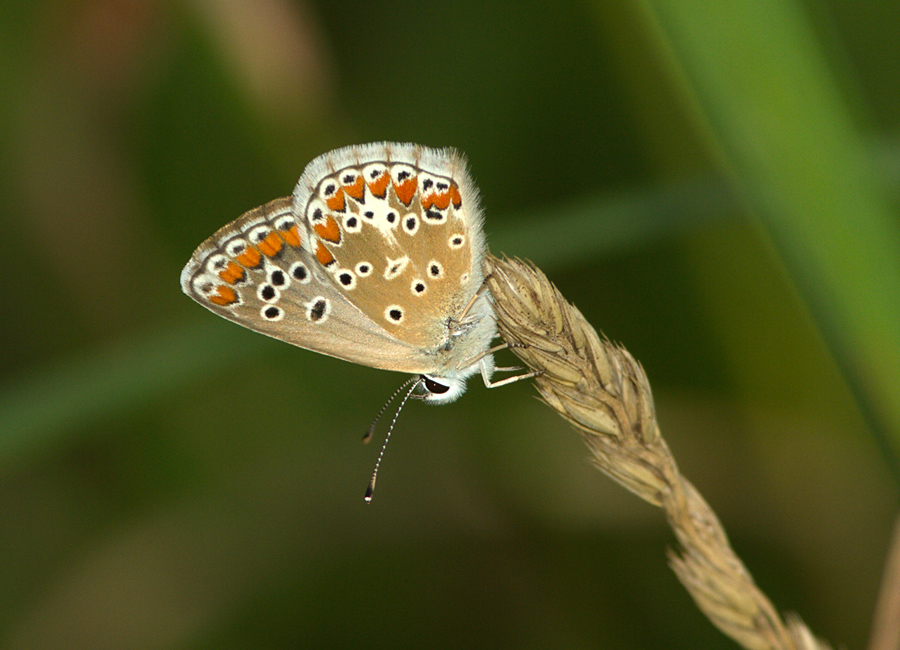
441	390
449	385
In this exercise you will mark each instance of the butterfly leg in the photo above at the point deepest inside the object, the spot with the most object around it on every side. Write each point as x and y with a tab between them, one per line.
471	302
491	368
487	353
486	375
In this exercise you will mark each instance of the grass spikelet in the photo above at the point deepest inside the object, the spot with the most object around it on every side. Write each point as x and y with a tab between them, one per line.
604	393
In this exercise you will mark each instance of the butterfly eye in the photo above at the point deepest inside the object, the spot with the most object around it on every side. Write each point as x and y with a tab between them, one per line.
433	387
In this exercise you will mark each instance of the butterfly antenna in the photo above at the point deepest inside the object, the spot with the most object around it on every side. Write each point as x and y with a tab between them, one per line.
368	435
370	491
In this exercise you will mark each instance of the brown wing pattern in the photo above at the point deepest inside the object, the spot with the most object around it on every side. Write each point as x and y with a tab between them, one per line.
256	273
396	238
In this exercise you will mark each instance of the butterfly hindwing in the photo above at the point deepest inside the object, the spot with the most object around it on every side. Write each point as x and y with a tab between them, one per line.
389	225
256	273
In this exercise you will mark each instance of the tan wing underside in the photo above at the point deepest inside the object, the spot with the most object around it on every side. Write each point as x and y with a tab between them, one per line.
431	261
228	284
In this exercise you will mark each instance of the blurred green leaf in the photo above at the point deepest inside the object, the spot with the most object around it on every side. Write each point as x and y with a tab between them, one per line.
794	153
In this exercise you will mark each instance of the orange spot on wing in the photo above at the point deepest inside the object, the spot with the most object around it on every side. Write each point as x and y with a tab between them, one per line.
291	236
271	245
440	201
329	231
223	296
406	190
378	187
455	196
337	202
357	189
323	254
232	273
250	258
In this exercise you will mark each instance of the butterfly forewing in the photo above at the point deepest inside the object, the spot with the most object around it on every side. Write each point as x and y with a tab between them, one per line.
255	272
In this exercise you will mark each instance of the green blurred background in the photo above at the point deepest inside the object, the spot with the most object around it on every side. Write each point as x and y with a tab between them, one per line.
715	185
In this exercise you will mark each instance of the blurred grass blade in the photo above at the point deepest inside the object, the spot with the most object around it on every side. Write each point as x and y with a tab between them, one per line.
43	409
595	227
764	86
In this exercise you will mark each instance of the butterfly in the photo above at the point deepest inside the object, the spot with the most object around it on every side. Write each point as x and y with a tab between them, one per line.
376	258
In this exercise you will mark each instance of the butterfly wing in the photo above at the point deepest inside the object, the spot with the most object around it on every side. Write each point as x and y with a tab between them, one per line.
257	272
399	230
